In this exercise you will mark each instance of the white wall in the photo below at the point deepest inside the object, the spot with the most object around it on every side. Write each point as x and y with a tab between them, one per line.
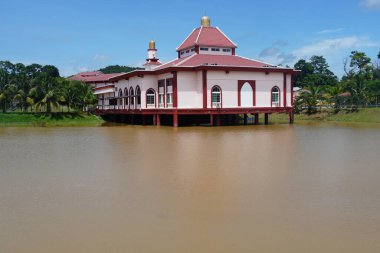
229	84
189	90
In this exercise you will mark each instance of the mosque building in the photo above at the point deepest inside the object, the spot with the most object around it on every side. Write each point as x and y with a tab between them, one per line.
208	83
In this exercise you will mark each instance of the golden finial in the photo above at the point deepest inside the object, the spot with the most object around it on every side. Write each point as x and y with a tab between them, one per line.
205	21
152	44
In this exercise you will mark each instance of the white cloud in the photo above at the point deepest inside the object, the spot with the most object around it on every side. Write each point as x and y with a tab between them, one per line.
100	57
371	4
330	31
334	50
332	46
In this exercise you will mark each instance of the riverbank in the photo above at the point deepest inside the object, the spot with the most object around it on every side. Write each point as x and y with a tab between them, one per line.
366	115
50	120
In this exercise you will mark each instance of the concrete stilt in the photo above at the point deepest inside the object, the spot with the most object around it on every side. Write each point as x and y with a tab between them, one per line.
211	119
158	120
175	120
245	119
266	118
256	119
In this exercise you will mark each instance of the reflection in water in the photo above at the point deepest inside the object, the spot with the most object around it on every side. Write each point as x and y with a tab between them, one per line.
231	189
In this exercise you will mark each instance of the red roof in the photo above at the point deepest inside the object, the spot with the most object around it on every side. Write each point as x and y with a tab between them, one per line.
214	60
95	76
207	36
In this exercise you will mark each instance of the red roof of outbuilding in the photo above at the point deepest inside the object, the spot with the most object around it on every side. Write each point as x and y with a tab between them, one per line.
207	36
95	76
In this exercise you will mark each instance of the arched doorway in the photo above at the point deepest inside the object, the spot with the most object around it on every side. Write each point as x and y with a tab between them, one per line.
246	95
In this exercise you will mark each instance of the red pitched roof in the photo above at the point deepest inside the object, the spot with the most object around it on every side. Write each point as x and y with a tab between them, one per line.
95	76
214	60
207	36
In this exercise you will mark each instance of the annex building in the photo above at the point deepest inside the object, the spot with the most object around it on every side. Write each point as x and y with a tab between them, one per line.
207	83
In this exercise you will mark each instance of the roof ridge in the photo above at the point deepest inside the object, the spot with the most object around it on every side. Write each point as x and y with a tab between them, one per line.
186	38
185	59
164	65
199	34
225	35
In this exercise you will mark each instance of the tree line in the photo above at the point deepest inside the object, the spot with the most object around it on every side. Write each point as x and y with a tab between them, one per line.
320	87
40	88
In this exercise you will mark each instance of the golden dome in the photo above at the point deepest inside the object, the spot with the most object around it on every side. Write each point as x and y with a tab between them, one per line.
205	21
152	44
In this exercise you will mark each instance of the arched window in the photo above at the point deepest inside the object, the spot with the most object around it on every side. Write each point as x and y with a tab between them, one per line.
275	97
150	99
120	99
216	97
131	98
138	96
125	97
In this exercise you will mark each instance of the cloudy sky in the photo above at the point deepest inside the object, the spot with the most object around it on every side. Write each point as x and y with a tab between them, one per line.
86	35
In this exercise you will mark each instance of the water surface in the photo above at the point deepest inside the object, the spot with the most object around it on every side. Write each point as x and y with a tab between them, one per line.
278	188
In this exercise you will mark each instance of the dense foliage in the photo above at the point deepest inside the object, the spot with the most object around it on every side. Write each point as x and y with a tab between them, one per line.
320	88
117	69
40	88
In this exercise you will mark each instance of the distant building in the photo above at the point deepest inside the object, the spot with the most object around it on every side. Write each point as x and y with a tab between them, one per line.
207	82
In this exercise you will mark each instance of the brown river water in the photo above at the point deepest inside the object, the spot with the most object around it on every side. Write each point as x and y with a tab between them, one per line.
277	188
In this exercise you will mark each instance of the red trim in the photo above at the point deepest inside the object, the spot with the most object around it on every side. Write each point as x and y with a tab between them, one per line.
197	49
253	86
284	89
175	92
233	51
146	98
204	88
279	97
208	111
221	96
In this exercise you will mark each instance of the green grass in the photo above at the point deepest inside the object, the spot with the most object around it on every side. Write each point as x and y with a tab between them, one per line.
49	120
367	115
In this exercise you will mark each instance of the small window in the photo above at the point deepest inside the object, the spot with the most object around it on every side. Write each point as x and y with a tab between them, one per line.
216	97
215	49
169	93
182	52
187	51
150	99
226	50
193	49
138	95
275	97
204	48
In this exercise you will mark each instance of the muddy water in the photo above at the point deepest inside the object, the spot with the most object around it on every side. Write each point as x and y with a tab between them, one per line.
230	189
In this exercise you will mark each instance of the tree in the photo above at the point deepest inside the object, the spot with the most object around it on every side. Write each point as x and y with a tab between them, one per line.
360	71
314	73
117	69
308	100
46	92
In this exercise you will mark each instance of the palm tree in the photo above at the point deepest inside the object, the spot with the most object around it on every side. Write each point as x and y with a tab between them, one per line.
47	93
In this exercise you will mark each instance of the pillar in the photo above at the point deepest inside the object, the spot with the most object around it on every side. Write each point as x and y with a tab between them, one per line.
175	120
154	119
245	119
256	118
158	120
266	118
143	120
217	120
211	119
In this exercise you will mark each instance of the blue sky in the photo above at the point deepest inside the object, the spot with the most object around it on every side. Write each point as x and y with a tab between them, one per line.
86	35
